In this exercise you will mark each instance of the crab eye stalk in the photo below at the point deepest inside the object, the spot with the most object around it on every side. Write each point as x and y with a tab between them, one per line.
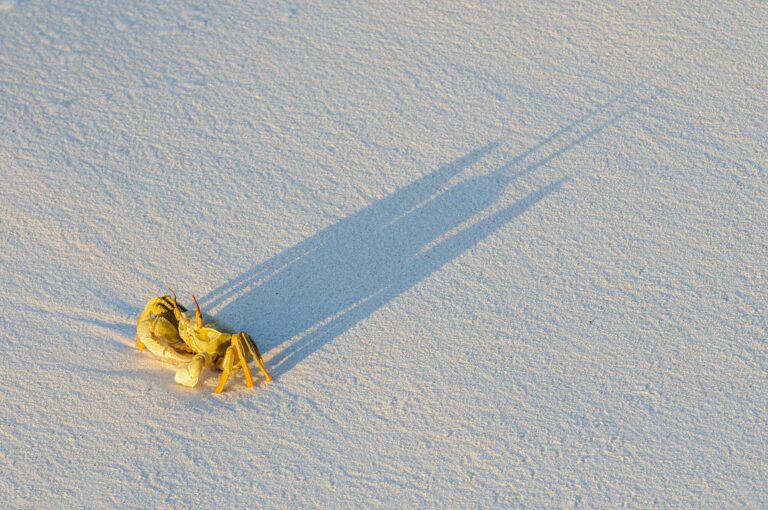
176	310
198	314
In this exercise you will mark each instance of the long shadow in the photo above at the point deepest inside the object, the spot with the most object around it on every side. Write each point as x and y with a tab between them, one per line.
309	294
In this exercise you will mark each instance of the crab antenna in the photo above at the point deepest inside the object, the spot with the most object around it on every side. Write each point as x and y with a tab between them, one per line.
198	313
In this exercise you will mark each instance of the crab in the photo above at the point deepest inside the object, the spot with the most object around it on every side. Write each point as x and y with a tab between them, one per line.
167	331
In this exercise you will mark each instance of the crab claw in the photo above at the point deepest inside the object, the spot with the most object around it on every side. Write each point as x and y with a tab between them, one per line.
198	314
189	375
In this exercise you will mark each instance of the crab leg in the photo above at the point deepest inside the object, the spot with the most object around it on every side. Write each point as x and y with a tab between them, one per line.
226	368
237	341
155	308
158	335
254	350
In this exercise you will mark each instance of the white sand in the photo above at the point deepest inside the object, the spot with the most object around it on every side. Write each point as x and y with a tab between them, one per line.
495	257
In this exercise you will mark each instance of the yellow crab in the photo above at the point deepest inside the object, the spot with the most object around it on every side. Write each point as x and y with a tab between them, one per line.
165	330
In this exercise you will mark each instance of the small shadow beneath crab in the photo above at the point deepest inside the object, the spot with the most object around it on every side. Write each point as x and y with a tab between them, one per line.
120	329
155	375
309	294
134	373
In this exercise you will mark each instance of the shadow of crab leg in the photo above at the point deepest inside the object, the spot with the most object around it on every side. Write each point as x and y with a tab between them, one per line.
254	350
226	368
237	341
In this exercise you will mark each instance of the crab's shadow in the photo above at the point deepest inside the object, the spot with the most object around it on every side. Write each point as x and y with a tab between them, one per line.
304	297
